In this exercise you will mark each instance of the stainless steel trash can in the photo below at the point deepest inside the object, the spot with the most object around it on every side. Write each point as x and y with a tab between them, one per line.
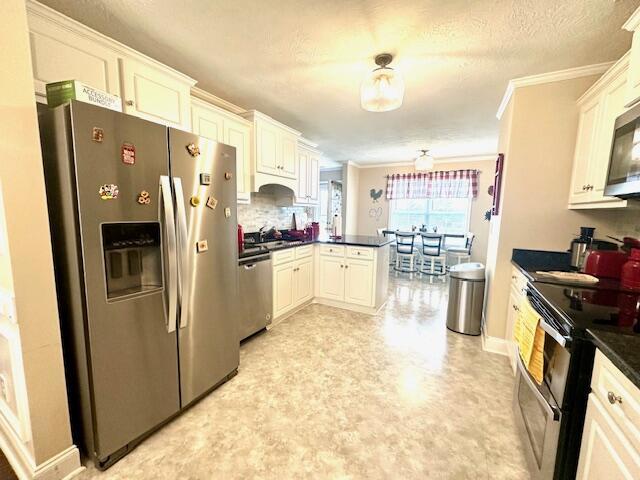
466	298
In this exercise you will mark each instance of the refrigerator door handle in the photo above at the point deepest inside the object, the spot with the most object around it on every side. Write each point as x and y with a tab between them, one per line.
184	283
170	229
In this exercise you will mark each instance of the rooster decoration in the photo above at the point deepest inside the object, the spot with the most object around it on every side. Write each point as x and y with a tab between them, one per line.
375	195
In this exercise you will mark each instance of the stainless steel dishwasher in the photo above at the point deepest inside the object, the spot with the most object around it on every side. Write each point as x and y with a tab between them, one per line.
256	294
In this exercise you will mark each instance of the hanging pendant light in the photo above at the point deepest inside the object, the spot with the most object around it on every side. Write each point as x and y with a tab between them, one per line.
382	90
424	161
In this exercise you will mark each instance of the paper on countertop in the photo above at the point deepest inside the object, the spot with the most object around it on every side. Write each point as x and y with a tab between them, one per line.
530	339
574	277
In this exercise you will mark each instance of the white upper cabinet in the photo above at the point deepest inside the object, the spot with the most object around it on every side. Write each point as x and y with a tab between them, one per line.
632	93
289	160
598	109
308	174
60	51
222	126
268	151
155	94
275	153
238	134
584	151
63	49
302	194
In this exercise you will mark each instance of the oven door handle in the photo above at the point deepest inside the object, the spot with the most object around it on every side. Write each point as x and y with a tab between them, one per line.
557	336
552	410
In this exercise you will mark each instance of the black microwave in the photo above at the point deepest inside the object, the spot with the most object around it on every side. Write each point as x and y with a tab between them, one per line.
623	178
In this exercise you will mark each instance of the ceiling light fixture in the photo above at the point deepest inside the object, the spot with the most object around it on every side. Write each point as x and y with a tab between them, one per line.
424	161
382	90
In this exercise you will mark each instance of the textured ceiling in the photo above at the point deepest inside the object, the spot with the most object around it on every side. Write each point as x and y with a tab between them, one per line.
302	61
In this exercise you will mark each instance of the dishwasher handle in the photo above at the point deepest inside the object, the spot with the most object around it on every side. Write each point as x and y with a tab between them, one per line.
252	261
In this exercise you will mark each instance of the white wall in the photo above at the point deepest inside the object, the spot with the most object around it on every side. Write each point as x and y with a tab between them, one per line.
29	271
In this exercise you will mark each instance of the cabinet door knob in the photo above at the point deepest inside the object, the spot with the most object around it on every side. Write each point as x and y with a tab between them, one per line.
613	398
341	266
346	266
129	103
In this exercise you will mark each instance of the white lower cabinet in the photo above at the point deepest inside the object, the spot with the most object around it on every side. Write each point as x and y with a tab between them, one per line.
345	279
358	282
331	276
292	280
343	276
282	289
302	281
517	294
605	453
611	436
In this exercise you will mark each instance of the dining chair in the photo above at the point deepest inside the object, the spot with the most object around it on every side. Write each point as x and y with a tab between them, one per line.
457	255
433	259
405	253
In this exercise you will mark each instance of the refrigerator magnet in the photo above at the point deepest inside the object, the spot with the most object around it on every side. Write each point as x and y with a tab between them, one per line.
195	201
128	151
227	212
212	203
97	134
108	191
205	179
202	246
144	198
228	176
193	149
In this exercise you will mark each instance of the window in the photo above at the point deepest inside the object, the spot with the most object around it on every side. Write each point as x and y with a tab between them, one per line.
324	205
445	215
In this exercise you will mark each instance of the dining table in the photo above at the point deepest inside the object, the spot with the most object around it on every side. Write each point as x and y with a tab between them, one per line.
418	232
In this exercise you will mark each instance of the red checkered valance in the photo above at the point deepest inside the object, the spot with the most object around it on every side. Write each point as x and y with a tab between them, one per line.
438	184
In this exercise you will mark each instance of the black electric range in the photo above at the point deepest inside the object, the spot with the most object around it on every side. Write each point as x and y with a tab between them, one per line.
569	315
581	308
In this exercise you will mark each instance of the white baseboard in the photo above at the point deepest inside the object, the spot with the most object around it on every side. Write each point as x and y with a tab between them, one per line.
62	466
494	344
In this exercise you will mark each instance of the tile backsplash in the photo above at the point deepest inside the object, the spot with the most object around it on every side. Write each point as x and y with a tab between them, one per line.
263	210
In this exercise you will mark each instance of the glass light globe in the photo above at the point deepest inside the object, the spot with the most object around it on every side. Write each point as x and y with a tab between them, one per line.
424	162
382	90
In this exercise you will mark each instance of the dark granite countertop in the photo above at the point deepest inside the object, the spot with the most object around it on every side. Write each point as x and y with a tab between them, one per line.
354	240
623	351
358	240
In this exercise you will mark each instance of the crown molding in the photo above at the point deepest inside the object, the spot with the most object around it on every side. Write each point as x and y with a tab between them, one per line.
634	21
618	68
217	101
549	77
354	164
305	142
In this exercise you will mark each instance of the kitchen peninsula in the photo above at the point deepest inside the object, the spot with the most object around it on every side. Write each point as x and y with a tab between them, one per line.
350	272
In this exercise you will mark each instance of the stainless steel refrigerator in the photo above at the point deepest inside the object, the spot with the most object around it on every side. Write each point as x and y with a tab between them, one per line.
143	224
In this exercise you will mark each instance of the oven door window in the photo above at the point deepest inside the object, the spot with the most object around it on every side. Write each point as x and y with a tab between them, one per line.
535	419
